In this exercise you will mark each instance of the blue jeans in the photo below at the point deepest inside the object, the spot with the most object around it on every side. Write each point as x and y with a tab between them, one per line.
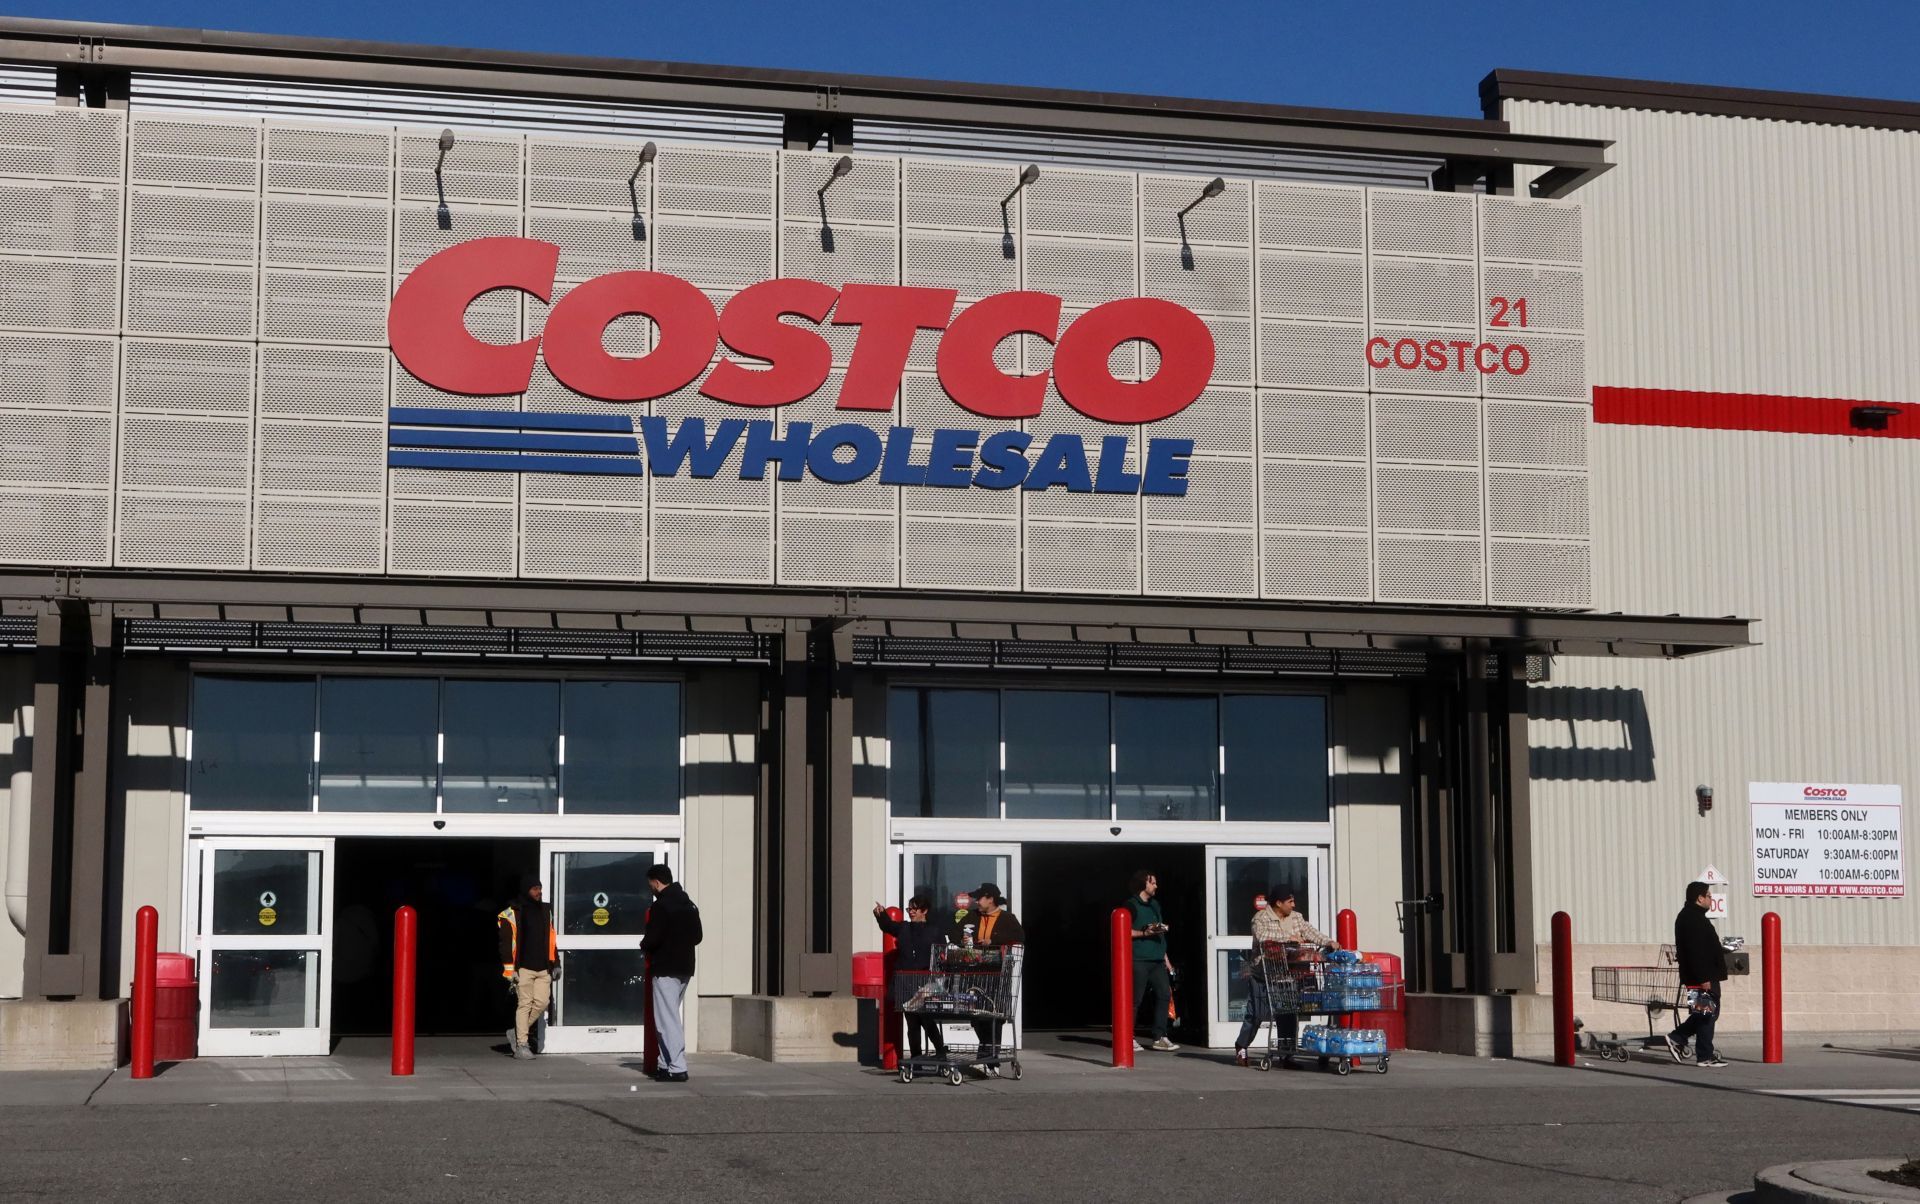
1699	1026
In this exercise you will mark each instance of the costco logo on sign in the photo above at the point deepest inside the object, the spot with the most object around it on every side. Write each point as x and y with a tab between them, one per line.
426	328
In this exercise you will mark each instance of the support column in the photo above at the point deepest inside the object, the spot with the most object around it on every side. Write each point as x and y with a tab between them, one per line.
1482	877
1514	968
70	883
809	837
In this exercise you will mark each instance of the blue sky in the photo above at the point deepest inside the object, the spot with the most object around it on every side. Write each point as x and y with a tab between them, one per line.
1387	55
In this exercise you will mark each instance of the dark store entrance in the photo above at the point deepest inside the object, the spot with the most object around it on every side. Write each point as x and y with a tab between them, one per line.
1070	891
458	886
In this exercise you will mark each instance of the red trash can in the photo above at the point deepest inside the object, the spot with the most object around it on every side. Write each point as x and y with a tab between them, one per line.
176	1008
869	975
1392	1021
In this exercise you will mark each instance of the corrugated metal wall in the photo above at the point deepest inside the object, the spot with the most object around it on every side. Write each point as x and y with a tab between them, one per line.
1731	254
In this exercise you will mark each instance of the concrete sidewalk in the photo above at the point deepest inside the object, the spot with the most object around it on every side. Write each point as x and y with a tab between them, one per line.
452	1069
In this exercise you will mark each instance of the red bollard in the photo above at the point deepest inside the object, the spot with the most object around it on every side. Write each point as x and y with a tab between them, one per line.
146	965
1563	1037
1121	926
889	1013
406	956
1772	1043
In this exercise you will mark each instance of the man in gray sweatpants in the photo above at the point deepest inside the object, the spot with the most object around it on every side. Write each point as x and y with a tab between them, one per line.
673	929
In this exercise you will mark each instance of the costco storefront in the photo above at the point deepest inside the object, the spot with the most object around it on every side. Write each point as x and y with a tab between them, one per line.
408	493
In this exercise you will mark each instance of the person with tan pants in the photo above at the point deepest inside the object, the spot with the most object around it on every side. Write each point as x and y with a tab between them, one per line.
529	959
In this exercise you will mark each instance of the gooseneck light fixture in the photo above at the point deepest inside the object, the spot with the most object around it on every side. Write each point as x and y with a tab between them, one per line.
1028	175
841	167
443	215
648	153
1214	188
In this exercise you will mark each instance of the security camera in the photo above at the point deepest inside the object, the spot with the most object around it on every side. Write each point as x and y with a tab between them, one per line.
1703	795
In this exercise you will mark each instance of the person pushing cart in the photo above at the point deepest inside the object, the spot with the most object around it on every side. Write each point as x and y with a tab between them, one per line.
1273	987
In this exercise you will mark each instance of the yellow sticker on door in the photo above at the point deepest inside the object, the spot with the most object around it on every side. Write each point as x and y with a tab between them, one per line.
600	916
267	917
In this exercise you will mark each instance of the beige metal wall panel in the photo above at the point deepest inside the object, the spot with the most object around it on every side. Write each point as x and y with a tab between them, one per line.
722	778
245	265
1737	255
16	694
1373	775
150	707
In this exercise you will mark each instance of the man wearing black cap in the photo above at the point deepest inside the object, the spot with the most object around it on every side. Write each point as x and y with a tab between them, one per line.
1703	967
529	958
995	926
673	929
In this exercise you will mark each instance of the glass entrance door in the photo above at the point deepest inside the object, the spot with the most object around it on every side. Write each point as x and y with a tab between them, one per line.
941	871
600	899
1238	880
263	930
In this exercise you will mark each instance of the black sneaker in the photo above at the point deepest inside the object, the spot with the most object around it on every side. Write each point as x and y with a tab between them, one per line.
1711	1063
1674	1048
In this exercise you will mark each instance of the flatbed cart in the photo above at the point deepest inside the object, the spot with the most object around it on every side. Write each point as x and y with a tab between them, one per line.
1344	988
1655	988
1298	982
962	986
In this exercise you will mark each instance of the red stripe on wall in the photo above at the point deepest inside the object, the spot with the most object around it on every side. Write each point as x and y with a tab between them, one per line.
1751	412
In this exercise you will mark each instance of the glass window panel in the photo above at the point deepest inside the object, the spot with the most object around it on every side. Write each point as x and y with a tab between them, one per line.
1057	754
1241	881
264	988
1276	757
906	792
252	744
379	740
1166	749
623	748
1231	1005
603	894
602	987
941	876
265	892
945	753
502	746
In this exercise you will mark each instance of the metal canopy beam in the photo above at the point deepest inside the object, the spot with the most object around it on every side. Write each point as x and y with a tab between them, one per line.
119	48
961	616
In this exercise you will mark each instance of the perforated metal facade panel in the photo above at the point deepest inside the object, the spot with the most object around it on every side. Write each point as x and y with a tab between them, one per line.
213	293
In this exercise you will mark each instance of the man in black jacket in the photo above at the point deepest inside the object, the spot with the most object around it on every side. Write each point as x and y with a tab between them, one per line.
1703	967
673	929
918	939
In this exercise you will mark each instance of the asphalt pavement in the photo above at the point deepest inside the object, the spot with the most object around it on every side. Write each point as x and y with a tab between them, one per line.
1186	1126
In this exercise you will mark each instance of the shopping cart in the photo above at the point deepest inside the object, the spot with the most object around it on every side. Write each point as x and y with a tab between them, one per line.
1655	988
963	986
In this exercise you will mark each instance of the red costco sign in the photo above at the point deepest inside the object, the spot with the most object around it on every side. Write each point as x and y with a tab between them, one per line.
426	328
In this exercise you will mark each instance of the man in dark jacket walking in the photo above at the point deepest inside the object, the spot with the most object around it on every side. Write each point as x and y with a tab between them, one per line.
918	939
1703	967
529	959
673	929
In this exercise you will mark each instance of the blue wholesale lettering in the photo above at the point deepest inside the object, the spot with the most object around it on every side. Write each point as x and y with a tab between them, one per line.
840	454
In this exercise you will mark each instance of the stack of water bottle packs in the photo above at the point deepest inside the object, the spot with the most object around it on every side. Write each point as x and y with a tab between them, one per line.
1343	1042
1346	984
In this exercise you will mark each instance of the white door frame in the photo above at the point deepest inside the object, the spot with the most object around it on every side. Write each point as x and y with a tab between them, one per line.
240	1042
1318	888
596	1038
900	870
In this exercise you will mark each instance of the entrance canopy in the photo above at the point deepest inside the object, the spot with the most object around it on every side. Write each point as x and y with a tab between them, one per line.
906	626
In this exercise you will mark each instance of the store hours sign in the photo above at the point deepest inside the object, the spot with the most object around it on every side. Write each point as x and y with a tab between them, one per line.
1826	839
